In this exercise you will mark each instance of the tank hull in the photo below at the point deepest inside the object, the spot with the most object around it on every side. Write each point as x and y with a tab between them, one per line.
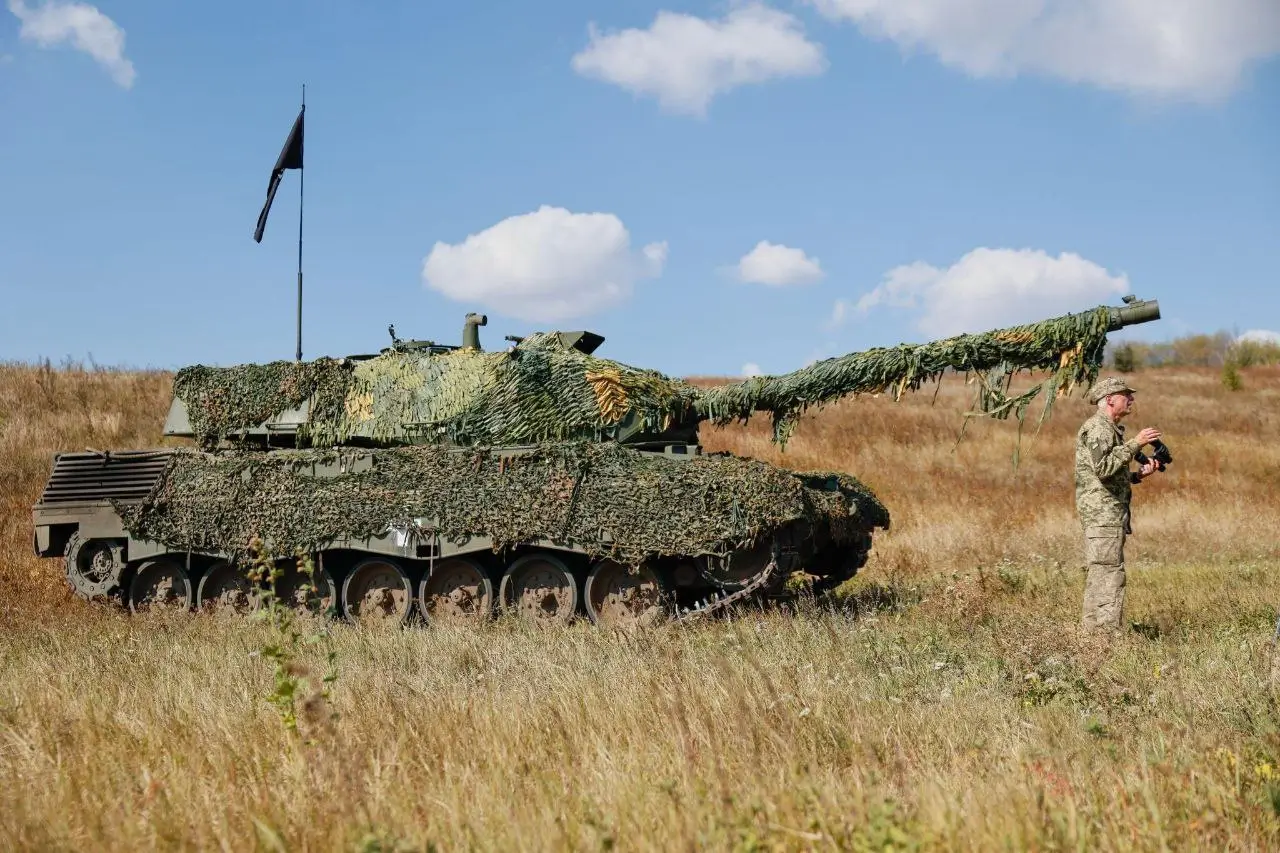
551	531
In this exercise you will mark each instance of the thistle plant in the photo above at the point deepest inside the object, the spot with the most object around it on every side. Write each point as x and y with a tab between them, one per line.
295	691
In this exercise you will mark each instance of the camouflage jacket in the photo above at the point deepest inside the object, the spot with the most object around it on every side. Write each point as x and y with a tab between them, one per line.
1103	484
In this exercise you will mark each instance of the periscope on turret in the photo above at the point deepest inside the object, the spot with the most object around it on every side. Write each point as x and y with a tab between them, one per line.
443	482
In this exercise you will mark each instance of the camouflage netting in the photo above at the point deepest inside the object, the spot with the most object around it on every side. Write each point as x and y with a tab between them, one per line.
541	391
222	400
608	500
544	391
1071	347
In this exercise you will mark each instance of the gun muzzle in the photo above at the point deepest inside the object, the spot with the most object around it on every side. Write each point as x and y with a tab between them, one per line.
1134	312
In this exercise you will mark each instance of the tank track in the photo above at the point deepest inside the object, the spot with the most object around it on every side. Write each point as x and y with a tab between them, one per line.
718	603
757	587
765	583
714	594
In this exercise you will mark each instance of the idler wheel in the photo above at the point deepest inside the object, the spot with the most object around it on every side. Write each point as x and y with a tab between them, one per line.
94	566
317	594
225	589
540	588
160	584
377	590
623	596
456	590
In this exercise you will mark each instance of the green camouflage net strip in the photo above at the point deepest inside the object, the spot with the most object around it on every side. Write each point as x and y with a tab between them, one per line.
607	500
1071	347
223	400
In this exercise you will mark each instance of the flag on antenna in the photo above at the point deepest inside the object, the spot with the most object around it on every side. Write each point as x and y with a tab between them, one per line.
290	158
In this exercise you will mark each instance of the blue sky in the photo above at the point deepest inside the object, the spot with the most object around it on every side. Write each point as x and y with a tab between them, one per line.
709	185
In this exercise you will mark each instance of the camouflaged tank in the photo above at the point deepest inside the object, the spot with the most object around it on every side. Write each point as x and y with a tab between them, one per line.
449	482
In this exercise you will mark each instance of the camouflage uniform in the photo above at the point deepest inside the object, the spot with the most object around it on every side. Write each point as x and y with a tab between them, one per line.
1103	489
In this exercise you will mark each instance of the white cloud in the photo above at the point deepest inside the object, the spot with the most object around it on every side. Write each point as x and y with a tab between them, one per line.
544	266
1190	48
777	265
87	29
685	61
1262	336
656	255
839	310
992	288
751	369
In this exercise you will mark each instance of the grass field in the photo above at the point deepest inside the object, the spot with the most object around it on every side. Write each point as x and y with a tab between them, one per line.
945	701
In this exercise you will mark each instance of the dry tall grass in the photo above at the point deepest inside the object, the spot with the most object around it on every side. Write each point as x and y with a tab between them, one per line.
947	703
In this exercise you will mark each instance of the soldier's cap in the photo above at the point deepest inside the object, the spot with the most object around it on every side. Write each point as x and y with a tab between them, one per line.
1108	385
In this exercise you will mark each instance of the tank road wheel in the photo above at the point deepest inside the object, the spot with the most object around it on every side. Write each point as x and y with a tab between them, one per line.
162	584
93	566
317	594
225	589
377	590
456	590
620	596
540	588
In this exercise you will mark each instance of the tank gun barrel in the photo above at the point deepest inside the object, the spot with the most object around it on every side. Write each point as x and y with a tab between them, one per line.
1070	347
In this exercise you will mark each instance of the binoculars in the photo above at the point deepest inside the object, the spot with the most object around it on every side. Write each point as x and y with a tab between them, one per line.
1160	452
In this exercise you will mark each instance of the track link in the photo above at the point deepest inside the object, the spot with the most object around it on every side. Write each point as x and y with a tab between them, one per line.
717	602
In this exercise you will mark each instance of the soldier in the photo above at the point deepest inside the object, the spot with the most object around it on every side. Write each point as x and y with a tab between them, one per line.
1103	490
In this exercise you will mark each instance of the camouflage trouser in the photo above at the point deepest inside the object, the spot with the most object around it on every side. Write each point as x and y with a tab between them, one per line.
1104	583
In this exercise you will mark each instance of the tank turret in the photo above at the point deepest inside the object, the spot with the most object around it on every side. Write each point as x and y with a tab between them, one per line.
550	386
540	479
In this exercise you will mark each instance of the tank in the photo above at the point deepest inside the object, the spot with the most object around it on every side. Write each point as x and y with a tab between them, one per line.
448	482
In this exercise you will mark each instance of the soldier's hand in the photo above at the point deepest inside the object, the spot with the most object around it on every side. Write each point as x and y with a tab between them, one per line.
1148	468
1148	435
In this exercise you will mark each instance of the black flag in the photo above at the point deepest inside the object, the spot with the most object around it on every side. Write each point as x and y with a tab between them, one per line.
290	158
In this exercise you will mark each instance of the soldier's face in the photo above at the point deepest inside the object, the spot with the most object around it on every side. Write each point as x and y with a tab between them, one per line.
1120	404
